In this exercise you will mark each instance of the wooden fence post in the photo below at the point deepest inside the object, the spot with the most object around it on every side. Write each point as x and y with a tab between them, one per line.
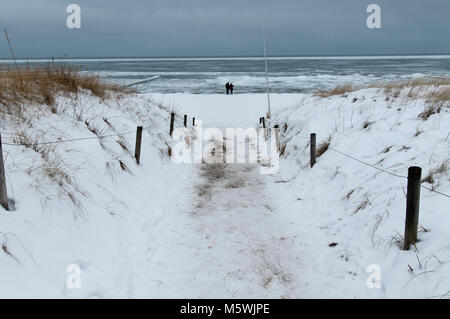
137	149
277	136
172	120
412	206
185	120
3	193
313	149
263	121
193	121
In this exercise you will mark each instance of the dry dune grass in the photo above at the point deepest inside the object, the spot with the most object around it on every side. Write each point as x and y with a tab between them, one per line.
442	94
20	87
418	82
341	89
28	92
440	88
323	147
435	91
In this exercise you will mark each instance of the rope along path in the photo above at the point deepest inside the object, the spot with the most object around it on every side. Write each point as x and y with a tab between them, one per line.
70	140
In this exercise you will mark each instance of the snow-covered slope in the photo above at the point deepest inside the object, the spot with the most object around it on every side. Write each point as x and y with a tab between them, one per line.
362	209
179	230
84	202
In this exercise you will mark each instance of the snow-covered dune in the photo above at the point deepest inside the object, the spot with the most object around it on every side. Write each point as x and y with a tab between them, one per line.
165	230
83	200
362	209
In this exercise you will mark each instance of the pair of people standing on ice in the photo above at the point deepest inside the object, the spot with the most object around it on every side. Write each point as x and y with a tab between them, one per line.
229	86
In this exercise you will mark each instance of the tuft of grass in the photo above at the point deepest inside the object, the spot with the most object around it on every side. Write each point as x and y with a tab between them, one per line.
361	206
440	95
42	85
123	166
387	149
57	172
366	124
123	144
7	252
282	149
395	86
92	128
108	123
430	110
440	169
323	147
339	90
396	240
429	179
436	92
438	98
349	194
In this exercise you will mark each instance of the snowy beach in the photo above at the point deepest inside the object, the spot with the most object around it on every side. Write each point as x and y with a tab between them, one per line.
225	159
167	230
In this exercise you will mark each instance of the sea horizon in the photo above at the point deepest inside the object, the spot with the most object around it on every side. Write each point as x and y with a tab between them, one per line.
221	57
287	74
235	158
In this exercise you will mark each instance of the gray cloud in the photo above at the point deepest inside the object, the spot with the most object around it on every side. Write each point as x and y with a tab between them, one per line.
232	27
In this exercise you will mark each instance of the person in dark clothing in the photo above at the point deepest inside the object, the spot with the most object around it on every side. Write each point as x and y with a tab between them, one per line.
231	86
227	86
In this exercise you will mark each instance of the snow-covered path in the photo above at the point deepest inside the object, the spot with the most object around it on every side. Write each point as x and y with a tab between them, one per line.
229	243
226	230
243	234
234	244
167	230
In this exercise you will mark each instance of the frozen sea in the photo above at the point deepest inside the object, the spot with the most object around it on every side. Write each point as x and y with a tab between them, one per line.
208	75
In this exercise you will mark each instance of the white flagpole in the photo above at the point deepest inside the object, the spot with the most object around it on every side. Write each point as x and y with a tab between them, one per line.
269	114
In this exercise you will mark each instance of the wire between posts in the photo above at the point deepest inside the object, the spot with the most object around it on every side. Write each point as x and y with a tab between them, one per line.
373	166
70	140
379	169
387	172
434	191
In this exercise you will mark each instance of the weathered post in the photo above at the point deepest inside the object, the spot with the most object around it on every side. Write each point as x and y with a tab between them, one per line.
185	120
172	121
313	149
277	136
3	193
137	149
412	206
264	127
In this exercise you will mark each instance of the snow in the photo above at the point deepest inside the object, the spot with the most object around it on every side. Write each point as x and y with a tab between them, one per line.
167	230
333	194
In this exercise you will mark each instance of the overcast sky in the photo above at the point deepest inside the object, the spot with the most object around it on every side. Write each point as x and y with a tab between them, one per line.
112	28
